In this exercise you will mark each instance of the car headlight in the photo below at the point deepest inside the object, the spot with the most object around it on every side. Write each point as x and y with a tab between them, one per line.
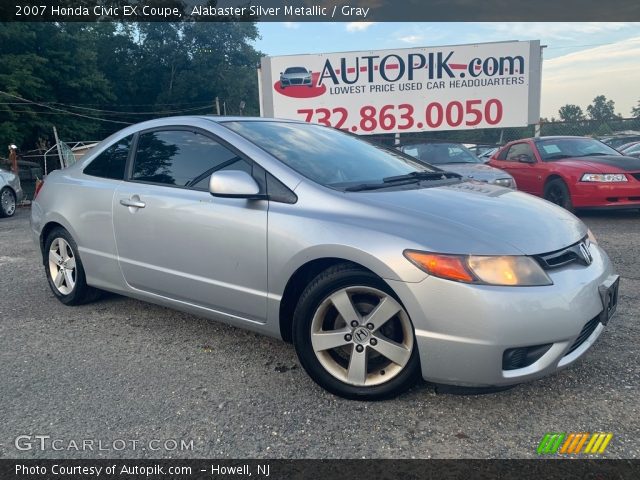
505	182
604	177
488	270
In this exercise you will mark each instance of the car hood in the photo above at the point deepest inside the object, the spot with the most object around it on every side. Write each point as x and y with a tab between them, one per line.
477	171
604	163
476	218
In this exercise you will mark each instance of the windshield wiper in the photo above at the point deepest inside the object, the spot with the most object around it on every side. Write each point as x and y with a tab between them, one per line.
408	179
376	186
591	154
417	176
558	156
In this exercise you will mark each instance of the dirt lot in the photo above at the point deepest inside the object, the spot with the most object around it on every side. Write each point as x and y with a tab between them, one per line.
123	370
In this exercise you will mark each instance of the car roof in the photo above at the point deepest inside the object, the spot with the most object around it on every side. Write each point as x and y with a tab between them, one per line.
221	119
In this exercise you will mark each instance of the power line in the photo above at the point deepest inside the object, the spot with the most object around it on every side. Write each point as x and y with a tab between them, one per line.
63	111
155	112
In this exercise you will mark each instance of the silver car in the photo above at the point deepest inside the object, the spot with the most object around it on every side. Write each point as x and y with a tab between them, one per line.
10	193
380	269
295	76
455	157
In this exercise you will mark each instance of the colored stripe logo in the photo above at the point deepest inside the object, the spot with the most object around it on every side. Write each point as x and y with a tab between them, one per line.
574	443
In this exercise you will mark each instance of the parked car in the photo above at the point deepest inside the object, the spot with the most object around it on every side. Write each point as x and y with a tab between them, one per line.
10	193
573	172
379	268
487	154
618	140
630	149
455	157
295	76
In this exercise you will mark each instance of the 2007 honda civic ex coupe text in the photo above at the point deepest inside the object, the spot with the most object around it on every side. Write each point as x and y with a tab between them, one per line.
380	269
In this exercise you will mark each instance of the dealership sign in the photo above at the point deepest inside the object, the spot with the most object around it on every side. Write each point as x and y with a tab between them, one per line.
407	90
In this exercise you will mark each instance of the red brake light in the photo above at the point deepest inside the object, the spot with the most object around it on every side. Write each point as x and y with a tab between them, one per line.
39	184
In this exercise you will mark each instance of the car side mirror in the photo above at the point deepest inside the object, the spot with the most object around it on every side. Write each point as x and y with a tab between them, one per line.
235	184
524	158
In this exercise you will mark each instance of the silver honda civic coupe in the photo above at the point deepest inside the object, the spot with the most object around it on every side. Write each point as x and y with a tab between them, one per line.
378	268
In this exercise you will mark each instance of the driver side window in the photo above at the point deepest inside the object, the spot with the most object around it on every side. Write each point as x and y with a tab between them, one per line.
516	151
182	158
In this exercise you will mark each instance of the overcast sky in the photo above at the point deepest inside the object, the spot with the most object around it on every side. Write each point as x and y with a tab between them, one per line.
581	60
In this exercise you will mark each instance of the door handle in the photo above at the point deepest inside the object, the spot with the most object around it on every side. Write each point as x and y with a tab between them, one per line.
129	202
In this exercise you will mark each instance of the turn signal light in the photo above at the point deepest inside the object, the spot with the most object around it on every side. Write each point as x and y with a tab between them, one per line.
444	266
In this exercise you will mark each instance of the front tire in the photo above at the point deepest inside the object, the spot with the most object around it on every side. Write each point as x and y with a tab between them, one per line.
353	337
556	191
64	269
7	203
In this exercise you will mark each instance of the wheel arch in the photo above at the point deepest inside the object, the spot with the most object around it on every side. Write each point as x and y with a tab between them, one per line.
296	285
48	227
554	176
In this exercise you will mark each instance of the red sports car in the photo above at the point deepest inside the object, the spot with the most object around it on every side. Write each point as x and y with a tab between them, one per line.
573	172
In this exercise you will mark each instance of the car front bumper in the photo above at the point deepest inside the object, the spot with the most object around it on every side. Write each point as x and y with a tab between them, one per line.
594	195
462	330
293	82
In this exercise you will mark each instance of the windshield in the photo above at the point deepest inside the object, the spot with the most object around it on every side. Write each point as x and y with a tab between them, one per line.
559	148
296	70
441	153
327	156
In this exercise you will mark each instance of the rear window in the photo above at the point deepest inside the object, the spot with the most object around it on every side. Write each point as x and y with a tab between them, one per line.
112	162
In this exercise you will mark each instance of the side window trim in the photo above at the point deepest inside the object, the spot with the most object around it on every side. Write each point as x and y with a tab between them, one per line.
255	167
170	128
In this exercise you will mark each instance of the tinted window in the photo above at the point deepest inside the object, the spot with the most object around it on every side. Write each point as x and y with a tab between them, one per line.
503	154
519	149
181	158
325	155
111	163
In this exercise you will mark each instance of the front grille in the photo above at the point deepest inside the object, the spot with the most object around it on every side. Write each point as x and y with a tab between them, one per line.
563	257
585	333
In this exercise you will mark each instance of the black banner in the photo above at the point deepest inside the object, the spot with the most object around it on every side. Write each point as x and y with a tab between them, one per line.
321	469
319	10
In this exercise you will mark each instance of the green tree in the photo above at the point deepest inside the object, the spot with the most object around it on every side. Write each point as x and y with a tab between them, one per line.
635	111
89	79
602	109
571	113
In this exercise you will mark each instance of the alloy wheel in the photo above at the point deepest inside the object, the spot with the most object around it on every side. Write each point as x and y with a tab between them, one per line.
556	195
8	202
362	336
62	266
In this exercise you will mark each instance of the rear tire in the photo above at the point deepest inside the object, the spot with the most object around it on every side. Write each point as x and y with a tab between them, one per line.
64	269
556	191
352	357
7	203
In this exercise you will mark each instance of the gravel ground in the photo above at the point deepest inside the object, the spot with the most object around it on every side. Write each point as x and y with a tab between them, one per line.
121	370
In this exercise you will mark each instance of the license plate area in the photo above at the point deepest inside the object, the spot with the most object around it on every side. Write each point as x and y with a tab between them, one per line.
609	296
